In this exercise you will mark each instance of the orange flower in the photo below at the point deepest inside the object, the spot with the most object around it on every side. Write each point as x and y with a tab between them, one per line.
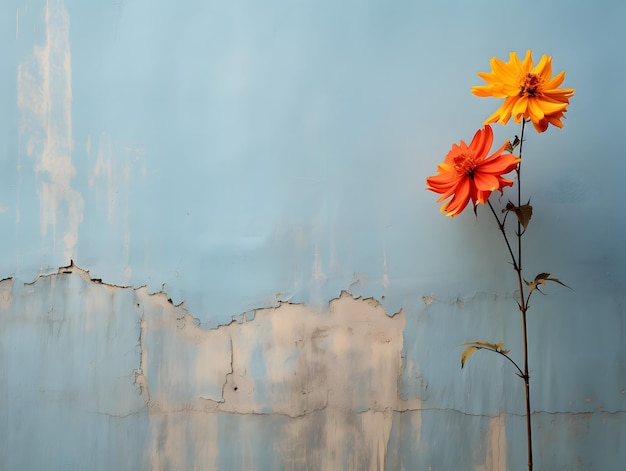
468	174
528	92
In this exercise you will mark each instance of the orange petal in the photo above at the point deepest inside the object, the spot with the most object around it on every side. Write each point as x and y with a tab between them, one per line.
498	165
486	181
481	143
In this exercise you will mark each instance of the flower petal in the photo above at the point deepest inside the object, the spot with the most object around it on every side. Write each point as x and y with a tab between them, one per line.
486	181
499	165
481	143
468	174
510	80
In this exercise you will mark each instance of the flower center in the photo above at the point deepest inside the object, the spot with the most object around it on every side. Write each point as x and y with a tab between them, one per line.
530	86
465	164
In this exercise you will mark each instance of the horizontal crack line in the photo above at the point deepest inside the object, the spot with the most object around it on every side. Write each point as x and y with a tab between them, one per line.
297	415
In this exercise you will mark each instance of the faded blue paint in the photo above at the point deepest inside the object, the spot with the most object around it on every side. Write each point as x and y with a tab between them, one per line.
75	351
251	135
68	355
235	154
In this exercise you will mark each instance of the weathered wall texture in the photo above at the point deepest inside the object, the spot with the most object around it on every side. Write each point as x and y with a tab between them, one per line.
97	376
290	388
275	288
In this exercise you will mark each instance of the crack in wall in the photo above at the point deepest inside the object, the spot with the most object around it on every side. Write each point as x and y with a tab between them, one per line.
140	378
317	336
290	361
180	315
333	374
232	370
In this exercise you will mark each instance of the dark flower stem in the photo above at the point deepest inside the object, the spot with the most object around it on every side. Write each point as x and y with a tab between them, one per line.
523	302
523	306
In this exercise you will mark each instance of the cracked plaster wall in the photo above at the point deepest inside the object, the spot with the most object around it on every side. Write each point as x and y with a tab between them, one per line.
134	382
323	385
261	162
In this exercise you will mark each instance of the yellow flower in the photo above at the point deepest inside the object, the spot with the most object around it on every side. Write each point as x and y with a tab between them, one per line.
531	93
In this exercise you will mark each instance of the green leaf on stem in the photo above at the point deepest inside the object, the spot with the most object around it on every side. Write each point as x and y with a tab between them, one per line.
524	212
541	279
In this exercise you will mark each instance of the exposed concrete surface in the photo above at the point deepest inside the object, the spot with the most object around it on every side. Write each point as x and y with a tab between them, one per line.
327	381
109	377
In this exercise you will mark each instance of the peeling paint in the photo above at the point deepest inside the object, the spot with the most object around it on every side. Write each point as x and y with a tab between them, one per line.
291	386
134	150
6	288
332	373
44	96
496	445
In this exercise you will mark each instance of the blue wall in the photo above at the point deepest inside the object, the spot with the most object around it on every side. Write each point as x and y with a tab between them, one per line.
244	157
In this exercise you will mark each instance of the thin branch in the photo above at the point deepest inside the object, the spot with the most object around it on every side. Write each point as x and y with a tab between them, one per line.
503	230
523	301
521	373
